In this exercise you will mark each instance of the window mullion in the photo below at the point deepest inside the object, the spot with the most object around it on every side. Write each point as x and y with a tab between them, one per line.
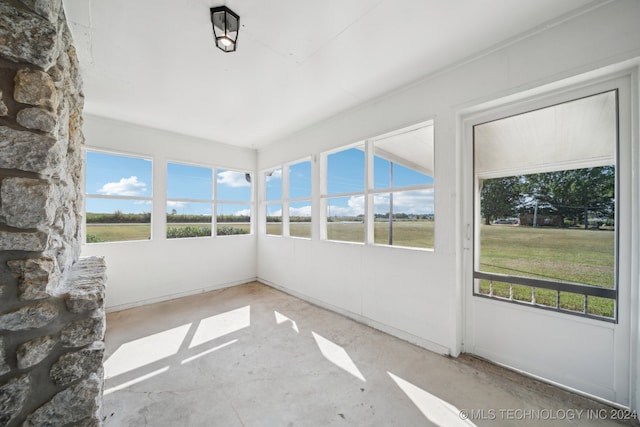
285	201
323	174
214	205
368	196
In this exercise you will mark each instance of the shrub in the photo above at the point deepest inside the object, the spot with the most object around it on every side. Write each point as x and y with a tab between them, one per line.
178	218
227	230
92	238
189	231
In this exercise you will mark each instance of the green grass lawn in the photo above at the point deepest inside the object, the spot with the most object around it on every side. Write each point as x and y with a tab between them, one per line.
126	232
117	232
300	229
568	255
346	231
414	234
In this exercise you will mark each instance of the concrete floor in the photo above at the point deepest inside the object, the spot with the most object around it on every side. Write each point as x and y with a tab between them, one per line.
253	356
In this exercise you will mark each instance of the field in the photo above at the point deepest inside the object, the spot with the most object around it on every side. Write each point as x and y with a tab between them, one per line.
416	234
568	255
117	232
124	232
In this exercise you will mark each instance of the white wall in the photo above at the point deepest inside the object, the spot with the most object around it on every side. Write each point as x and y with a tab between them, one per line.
418	294
146	271
415	294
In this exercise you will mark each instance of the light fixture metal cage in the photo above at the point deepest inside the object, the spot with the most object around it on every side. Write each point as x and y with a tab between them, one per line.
226	24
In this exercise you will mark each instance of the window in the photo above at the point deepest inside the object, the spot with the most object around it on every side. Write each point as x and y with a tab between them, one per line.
299	199
344	198
233	202
273	206
403	188
118	197
189	201
288	200
546	217
381	191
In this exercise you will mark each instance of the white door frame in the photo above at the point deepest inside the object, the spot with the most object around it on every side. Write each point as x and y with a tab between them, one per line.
619	383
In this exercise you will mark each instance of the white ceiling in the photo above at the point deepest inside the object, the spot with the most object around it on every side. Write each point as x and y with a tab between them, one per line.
154	62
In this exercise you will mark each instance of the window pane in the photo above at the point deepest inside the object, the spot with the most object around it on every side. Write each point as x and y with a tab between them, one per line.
233	219
112	220
233	186
345	171
189	182
404	159
300	180
345	218
274	219
392	175
413	217
547	190
113	175
273	180
557	222
300	219
556	226
188	219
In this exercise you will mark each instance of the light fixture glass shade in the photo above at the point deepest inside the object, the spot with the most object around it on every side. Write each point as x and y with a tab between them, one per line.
225	28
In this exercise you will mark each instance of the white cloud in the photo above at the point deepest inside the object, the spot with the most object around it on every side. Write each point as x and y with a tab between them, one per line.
233	179
409	202
276	212
172	204
125	187
243	212
355	207
301	211
276	174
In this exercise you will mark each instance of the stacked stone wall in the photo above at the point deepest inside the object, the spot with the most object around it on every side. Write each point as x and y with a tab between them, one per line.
51	303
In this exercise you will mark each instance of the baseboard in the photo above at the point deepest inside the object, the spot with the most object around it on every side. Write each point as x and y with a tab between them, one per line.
398	333
168	297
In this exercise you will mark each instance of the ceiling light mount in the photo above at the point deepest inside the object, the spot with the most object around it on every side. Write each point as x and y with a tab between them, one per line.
226	24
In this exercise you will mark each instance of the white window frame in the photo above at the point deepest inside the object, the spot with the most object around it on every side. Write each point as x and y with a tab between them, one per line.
369	190
103	196
625	186
372	191
265	202
324	196
287	199
216	202
210	201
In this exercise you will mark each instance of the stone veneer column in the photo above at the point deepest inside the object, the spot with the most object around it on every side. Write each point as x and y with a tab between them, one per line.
51	305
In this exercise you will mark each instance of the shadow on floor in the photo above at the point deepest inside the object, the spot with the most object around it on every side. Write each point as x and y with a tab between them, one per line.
253	356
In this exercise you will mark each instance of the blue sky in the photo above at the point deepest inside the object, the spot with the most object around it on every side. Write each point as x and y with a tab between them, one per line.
114	175
345	172
346	175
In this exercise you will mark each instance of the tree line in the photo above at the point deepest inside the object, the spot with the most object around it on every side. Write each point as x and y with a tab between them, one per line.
574	196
